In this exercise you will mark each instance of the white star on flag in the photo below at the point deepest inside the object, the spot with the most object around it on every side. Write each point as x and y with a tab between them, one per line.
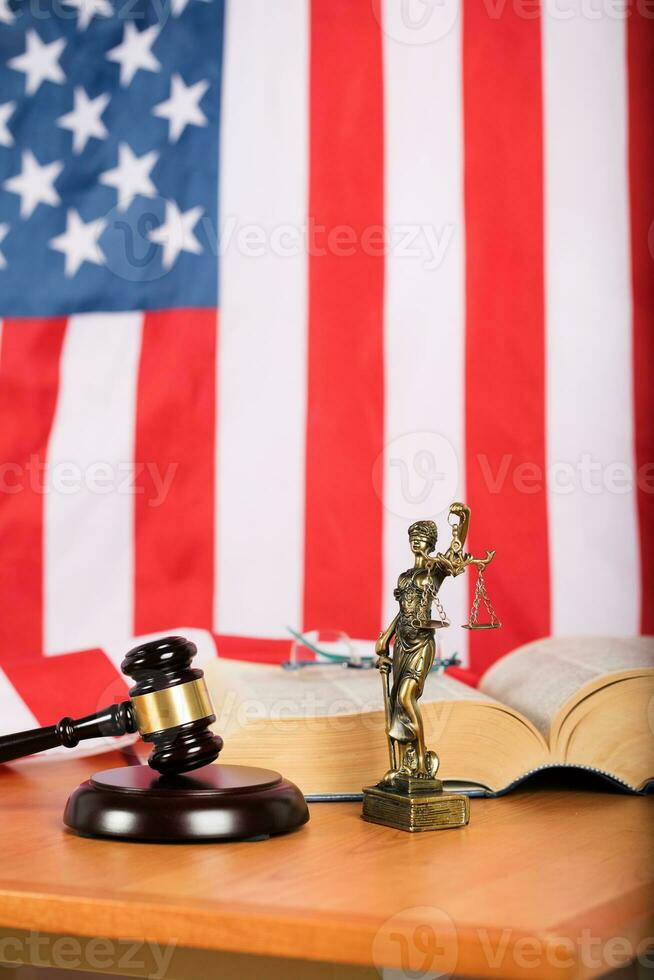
6	13
131	176
84	119
3	234
175	235
88	9
134	52
39	62
6	109
35	183
182	108
79	243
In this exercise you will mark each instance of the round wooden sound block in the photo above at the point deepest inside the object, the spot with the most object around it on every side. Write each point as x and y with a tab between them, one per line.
213	803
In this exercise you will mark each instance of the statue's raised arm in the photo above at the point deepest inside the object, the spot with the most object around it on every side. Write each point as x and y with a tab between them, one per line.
455	560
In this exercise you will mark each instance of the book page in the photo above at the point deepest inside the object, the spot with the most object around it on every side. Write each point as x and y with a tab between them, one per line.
537	679
244	692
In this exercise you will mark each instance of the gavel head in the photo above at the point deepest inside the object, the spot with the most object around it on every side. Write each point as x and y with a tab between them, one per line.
171	705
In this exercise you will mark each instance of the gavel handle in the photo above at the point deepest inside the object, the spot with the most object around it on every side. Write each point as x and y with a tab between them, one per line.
117	720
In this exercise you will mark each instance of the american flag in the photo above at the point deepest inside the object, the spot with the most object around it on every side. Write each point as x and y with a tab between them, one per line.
279	277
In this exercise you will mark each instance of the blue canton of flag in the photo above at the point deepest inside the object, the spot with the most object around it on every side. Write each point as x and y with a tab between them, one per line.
109	128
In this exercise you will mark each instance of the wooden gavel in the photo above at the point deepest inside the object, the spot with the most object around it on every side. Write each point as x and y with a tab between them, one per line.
169	706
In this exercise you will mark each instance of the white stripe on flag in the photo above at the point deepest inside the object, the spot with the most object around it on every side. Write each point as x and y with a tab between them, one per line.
589	345
424	323
89	577
261	386
15	715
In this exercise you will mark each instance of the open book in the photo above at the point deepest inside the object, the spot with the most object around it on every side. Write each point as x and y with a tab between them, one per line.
580	701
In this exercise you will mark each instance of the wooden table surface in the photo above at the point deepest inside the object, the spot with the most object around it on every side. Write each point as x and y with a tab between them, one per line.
544	882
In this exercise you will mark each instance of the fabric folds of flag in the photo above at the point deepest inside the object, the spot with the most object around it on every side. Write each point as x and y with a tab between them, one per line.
277	280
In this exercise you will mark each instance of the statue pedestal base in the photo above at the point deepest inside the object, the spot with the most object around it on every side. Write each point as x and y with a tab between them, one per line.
428	809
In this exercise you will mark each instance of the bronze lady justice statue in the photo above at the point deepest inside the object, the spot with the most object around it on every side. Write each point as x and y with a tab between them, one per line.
413	767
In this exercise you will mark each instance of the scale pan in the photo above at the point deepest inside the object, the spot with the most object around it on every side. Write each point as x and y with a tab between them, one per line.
429	624
481	626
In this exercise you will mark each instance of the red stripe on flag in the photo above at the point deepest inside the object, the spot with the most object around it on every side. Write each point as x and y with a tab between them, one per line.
29	383
175	455
255	649
505	348
343	529
70	684
640	59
